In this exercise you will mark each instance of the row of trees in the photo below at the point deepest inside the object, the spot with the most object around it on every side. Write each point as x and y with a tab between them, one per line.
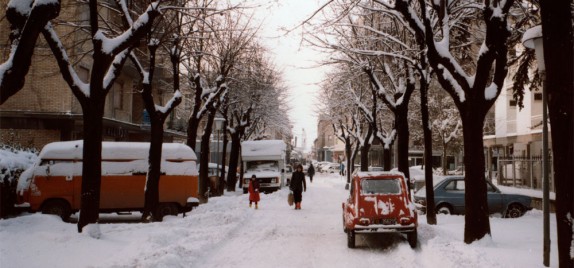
210	50
385	50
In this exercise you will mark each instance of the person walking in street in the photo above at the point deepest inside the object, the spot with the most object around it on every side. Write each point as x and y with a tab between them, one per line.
253	191
298	186
311	172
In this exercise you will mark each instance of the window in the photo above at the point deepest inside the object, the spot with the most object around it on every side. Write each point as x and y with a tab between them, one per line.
455	185
118	91
512	103
392	186
537	96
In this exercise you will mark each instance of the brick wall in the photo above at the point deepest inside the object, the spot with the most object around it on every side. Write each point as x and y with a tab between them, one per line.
29	138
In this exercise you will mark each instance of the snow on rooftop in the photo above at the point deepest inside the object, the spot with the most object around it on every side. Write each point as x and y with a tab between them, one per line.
116	151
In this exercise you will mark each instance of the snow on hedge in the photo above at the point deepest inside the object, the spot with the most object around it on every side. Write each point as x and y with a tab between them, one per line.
12	159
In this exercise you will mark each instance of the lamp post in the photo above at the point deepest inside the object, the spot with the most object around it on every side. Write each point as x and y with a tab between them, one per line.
532	39
218	126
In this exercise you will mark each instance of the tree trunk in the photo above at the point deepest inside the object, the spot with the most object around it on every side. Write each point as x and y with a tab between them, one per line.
233	160
387	155
444	158
365	156
476	220
204	161
427	134
223	160
402	126
348	162
92	161
192	126
558	55
154	172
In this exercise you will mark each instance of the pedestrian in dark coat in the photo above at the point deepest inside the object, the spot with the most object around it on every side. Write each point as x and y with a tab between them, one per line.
311	172
298	186
253	191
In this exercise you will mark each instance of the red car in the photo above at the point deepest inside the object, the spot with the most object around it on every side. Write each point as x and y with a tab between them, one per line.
379	202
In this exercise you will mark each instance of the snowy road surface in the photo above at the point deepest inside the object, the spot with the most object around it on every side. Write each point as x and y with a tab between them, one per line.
226	233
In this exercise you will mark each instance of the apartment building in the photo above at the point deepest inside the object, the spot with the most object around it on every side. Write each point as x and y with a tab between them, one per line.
514	150
45	110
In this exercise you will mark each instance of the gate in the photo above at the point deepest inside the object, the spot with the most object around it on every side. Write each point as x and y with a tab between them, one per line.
523	172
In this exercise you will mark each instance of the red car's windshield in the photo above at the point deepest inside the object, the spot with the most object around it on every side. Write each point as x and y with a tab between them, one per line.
386	186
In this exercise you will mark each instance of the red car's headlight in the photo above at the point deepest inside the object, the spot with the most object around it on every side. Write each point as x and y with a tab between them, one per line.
364	221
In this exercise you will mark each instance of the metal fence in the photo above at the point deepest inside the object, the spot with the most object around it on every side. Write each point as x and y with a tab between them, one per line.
523	172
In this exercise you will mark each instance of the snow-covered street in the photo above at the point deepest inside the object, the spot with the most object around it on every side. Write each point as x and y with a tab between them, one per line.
226	233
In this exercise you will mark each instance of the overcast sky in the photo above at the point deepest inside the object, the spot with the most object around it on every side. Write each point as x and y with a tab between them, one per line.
296	61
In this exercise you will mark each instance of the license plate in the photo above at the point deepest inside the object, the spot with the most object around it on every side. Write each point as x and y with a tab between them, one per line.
388	221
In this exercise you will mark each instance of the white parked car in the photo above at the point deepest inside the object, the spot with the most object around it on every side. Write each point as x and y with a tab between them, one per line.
327	168
418	176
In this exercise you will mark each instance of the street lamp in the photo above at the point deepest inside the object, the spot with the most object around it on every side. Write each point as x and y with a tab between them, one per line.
218	126
532	39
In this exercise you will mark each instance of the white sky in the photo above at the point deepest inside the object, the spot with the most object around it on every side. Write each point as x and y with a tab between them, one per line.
298	63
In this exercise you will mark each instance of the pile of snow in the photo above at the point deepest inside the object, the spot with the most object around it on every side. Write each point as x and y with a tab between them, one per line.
225	232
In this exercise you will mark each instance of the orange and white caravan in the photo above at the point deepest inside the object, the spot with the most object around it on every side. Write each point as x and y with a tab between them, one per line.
53	185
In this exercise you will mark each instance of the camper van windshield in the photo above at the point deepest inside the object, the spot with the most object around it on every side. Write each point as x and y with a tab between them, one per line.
263	165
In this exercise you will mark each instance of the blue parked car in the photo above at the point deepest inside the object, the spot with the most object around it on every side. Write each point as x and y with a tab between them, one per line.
449	198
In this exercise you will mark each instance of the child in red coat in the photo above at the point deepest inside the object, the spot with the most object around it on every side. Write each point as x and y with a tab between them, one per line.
253	191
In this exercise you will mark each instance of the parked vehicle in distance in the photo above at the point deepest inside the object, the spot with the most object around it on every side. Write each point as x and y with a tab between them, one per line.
379	202
329	168
266	160
372	168
213	173
53	185
320	165
333	169
449	198
288	174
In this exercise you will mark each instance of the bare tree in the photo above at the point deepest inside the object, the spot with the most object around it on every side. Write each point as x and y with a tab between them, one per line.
446	124
473	94
254	106
158	115
109	56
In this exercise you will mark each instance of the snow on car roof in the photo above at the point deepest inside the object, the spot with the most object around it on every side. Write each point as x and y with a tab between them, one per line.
66	150
363	174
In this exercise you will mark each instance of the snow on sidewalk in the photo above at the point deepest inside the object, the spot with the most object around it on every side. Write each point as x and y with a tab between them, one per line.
226	233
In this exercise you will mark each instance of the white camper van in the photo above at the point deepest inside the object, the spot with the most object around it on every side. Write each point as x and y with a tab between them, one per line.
266	160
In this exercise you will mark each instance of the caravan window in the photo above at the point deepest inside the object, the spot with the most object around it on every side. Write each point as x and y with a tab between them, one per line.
263	165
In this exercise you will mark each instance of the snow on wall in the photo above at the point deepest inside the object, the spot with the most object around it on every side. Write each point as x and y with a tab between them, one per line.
263	149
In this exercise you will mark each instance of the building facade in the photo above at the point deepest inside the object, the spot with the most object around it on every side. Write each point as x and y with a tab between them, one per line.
45	110
514	151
